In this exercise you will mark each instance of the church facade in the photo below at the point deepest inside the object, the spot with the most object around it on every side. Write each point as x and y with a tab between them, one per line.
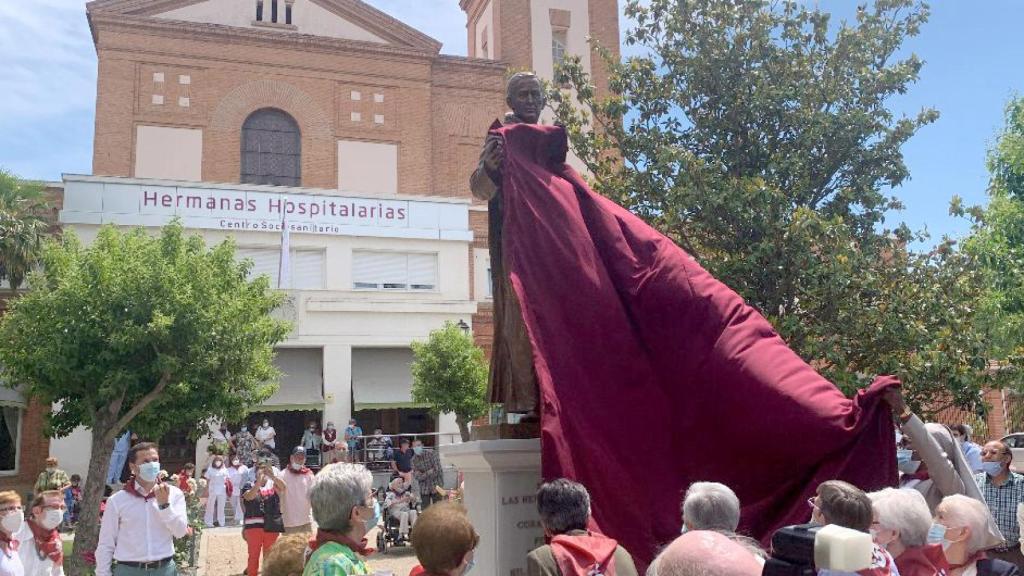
342	124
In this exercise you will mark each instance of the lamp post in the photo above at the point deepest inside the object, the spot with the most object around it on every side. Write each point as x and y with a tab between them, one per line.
463	326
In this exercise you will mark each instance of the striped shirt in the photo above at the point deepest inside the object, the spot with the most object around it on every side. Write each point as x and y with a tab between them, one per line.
1002	502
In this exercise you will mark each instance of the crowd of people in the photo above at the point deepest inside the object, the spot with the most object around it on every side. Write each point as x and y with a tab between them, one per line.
956	512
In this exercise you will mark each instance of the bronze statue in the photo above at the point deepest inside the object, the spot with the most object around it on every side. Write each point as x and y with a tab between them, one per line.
513	381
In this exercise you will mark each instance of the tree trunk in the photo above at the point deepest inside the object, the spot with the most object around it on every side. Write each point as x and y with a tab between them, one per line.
88	530
463	427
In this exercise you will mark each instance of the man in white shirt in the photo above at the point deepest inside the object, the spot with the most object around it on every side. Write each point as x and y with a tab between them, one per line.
40	546
216	491
237	474
295	506
141	521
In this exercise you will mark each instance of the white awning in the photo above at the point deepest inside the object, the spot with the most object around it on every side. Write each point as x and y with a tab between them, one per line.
302	380
11	397
382	378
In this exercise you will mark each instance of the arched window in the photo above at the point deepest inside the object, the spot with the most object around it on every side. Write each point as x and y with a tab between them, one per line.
271	149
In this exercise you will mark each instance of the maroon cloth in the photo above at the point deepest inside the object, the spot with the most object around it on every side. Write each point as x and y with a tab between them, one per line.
653	374
584	554
927	560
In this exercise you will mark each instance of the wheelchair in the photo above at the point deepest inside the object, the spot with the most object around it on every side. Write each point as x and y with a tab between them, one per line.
388	535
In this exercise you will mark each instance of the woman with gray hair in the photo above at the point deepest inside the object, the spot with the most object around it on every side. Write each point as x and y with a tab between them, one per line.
345	509
963	523
900	525
710	506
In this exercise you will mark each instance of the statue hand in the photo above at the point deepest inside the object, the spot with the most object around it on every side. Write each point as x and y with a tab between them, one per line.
493	154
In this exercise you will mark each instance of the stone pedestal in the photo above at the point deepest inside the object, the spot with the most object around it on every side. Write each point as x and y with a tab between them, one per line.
501	479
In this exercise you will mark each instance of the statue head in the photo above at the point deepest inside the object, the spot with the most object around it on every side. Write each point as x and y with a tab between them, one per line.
524	94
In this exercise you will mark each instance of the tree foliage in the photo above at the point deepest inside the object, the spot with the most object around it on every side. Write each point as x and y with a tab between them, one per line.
152	332
449	373
758	136
997	242
23	227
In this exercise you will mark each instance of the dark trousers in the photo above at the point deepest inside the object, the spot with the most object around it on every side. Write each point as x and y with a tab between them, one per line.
1013	556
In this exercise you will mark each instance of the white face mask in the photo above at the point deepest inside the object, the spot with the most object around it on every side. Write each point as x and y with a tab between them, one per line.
11	523
51	519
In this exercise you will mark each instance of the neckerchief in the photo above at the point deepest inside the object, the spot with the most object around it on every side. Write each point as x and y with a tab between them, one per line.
8	544
48	543
325	536
129	487
303	471
979	555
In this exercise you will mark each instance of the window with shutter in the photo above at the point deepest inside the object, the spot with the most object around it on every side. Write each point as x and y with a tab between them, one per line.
394	271
264	262
308	269
307	266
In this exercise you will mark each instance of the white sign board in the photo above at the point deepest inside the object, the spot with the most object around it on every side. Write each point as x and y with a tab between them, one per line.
126	202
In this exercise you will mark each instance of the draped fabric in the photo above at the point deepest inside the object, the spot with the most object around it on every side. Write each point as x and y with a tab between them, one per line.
653	374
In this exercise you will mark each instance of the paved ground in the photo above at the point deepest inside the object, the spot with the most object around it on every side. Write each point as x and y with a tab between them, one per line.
223	553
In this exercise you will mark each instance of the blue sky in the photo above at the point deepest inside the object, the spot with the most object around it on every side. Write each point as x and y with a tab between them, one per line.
972	51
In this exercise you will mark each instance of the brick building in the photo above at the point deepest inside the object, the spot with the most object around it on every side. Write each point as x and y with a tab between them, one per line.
227	112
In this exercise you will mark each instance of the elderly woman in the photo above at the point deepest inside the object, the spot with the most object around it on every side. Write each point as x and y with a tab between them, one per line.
444	541
901	524
964	524
400	504
938	467
345	511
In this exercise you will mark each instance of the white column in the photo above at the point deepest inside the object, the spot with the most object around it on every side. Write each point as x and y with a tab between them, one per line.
501	479
337	384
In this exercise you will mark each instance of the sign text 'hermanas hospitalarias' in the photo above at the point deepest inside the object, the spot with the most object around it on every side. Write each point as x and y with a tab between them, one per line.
92	200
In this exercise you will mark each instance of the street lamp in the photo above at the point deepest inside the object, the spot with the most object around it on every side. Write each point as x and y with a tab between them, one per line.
463	326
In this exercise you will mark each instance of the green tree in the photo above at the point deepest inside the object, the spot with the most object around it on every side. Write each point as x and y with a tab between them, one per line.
757	136
997	242
152	332
23	226
449	373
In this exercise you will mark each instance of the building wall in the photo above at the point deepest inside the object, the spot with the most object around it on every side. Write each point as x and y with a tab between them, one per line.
212	85
308	16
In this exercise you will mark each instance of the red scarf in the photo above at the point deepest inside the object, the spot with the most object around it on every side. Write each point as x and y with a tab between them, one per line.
183	482
325	536
584	554
48	543
927	560
129	487
7	544
303	471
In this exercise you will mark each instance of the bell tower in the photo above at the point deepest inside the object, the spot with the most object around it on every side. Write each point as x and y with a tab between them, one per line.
535	34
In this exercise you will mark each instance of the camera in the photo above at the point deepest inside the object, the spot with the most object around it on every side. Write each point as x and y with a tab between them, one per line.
804	549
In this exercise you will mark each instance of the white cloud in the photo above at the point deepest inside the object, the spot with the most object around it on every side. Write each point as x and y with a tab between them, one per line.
49	62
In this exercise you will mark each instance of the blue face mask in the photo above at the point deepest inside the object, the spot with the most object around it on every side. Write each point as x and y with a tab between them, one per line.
904	456
992	468
936	534
469	566
372	522
417	449
149	471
